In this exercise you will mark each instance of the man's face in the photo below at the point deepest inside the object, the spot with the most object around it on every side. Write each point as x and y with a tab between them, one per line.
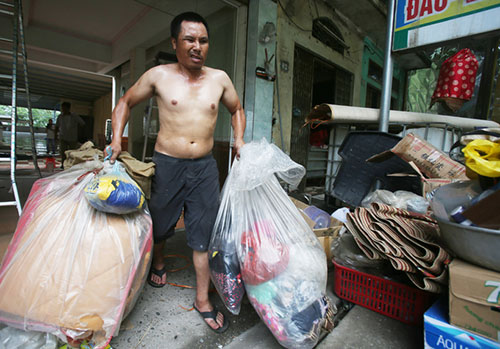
191	46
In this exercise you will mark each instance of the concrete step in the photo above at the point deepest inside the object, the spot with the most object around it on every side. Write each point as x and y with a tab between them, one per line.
363	328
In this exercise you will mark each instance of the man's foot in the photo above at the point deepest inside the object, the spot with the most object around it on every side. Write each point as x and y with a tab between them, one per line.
214	319
157	277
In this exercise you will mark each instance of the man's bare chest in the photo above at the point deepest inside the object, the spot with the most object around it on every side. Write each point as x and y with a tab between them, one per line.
181	96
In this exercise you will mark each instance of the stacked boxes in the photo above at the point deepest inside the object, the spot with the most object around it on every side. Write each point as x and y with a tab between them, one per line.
475	299
473	309
440	334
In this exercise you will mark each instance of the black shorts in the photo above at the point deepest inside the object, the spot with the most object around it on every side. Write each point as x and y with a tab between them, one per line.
189	184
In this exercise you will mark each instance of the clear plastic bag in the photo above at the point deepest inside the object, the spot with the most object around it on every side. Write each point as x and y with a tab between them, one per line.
282	263
399	199
113	191
13	338
71	270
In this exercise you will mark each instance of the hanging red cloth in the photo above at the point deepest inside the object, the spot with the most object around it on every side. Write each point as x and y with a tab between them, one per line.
456	81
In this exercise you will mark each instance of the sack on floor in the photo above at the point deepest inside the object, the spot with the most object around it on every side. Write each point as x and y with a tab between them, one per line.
283	265
71	270
113	191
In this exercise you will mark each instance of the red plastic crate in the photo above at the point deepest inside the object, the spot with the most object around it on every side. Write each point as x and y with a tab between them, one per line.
398	301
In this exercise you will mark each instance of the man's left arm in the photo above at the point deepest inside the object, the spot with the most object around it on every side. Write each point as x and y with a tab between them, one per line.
231	101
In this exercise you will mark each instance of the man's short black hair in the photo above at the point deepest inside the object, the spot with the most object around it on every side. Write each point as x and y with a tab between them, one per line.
175	25
66	105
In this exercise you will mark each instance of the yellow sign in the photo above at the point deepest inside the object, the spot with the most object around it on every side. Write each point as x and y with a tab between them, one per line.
422	22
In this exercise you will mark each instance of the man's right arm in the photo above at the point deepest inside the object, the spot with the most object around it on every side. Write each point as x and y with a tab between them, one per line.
140	91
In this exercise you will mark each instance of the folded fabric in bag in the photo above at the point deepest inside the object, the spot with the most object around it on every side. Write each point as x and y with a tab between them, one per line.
406	238
282	262
71	270
113	191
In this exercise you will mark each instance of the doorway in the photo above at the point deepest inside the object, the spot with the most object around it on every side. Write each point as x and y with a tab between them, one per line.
315	81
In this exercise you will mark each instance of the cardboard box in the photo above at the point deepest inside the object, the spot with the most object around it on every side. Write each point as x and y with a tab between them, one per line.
324	235
334	227
475	299
326	242
429	184
438	333
430	160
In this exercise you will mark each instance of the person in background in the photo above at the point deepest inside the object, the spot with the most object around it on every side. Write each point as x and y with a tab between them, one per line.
186	175
51	137
67	130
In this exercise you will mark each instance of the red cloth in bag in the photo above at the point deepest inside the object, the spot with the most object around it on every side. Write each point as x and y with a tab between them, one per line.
265	256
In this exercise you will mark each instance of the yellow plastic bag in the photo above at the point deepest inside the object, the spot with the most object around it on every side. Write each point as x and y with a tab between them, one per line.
483	157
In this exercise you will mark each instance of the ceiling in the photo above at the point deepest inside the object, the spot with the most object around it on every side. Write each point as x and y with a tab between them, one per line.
72	44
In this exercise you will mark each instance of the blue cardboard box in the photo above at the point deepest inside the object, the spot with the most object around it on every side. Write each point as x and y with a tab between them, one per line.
438	333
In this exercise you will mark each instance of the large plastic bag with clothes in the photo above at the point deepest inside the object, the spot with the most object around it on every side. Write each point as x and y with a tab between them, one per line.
70	269
282	263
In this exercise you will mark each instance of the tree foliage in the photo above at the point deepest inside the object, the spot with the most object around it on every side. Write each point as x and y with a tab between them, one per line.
40	116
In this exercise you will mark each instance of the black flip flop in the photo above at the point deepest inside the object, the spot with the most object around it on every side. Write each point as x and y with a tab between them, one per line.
213	315
159	273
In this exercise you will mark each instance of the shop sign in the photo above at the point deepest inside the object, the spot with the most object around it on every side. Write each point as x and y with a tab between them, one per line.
423	22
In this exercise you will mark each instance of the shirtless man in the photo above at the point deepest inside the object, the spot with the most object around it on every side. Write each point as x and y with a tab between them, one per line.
186	176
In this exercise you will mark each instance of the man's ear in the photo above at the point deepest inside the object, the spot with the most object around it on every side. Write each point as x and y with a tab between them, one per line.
174	43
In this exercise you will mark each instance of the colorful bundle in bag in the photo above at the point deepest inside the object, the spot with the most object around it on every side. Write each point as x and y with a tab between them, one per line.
71	270
223	261
113	191
226	276
282	262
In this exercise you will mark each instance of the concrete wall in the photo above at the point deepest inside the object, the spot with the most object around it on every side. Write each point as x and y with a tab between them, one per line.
294	27
259	92
221	56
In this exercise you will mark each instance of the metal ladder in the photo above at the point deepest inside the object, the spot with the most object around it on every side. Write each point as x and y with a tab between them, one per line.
15	10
